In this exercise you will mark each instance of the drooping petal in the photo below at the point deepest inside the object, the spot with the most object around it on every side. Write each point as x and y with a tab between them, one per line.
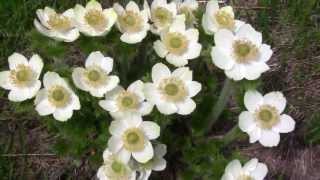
269	138
246	121
252	100
17	59
145	155
285	125
159	72
186	107
275	99
150	129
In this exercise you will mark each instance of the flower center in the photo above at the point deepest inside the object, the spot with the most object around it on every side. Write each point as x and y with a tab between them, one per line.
130	21
59	96
22	76
95	76
127	101
59	22
161	16
96	19
176	43
173	89
267	116
225	19
245	51
118	167
245	177
133	140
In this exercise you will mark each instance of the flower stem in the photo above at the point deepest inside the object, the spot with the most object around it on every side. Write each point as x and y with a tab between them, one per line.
231	135
220	104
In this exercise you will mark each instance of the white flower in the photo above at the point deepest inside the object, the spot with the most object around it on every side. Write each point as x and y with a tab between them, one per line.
157	163
177	44
264	119
188	8
241	55
114	169
131	136
252	170
60	27
95	78
56	98
172	92
22	78
162	15
92	20
122	103
132	22
216	18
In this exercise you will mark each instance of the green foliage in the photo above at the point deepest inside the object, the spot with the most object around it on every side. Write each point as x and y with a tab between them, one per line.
313	130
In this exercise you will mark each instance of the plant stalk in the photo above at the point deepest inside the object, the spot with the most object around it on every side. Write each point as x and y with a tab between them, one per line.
220	104
231	135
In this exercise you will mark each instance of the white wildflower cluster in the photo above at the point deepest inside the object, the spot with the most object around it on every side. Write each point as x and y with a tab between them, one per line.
133	152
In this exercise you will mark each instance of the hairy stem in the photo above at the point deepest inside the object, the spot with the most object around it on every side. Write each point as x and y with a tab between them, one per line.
220	104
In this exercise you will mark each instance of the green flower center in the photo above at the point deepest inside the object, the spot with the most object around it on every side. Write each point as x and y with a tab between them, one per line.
245	51
127	101
94	75
161	16
267	116
245	177
173	89
133	140
118	167
59	96
22	75
96	19
176	43
59	22
225	19
130	22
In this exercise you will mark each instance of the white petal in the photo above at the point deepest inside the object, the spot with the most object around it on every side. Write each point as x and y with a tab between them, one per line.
151	129
186	107
177	61
137	88
269	138
260	172
44	107
112	17
234	167
113	94
209	27
178	25
145	155
124	155
36	63
159	72
115	144
251	165
107	154
93	5
68	36
41	95
42	29
132	6
275	99
236	73
248	32
146	108
194	50
254	71
133	121
117	128
160	165
286	124
160	150
34	89
118	8
252	100
212	6
254	135
107	64
266	53
77	76
75	103
5	80
97	59
167	108
132	38
192	34
52	78
19	95
151	93
144	174
194	88
63	114
221	59
224	39
17	59
227	176
112	83
238	24
98	92
109	105
246	121
184	73
160	48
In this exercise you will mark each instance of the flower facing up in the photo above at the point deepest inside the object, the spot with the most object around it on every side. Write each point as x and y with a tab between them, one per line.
114	168
122	103
172	92
95	78
177	44
57	26
252	170
162	14
131	136
132	22
188	8
22	78
56	98
92	20
241	55
157	163
264	119
216	18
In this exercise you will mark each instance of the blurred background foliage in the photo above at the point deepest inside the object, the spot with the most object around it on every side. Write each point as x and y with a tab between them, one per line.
73	150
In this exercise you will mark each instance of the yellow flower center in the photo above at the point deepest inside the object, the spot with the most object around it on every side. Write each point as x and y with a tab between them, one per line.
133	140
224	19
244	51
173	89
161	17
59	96
176	43
118	167
96	19
127	101
245	177
267	116
59	22
95	76
130	21
22	76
